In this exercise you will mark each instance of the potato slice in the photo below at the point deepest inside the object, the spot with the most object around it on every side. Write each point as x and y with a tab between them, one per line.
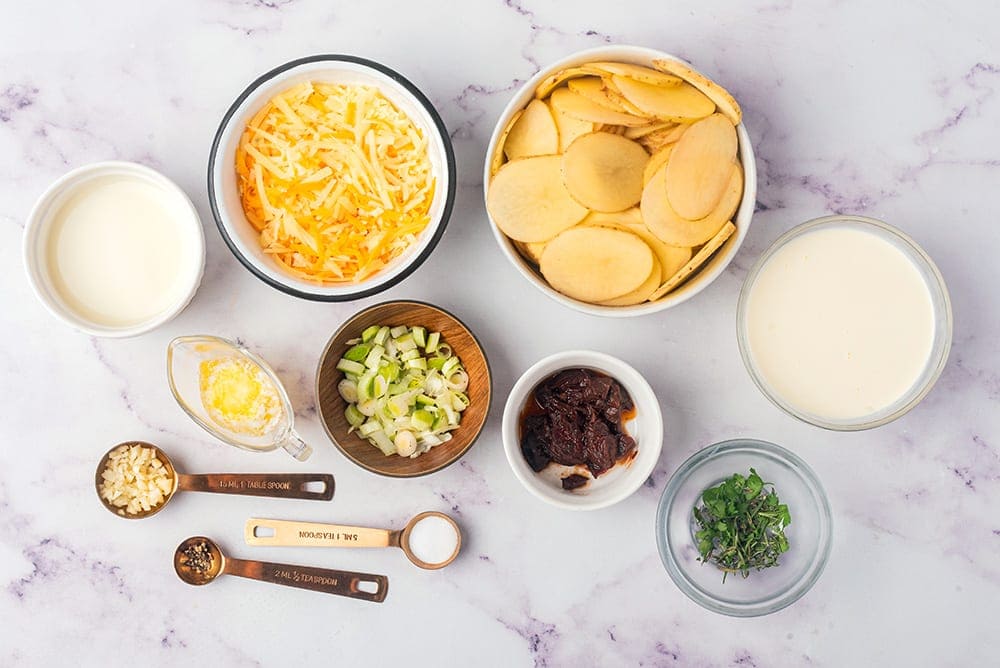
643	130
570	128
553	81
573	104
671	258
672	228
499	157
700	258
528	201
604	171
617	218
701	166
681	103
720	96
657	140
613	129
530	250
657	160
533	134
637	72
595	264
593	89
620	100
641	293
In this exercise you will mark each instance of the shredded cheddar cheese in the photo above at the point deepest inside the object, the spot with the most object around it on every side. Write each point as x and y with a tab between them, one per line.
336	180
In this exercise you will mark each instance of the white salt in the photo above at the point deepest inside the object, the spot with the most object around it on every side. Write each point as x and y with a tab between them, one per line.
433	540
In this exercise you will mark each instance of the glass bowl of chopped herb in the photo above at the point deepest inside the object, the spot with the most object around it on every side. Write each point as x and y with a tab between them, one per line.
744	528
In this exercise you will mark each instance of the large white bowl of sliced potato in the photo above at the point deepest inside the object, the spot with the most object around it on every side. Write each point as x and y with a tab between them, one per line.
620	181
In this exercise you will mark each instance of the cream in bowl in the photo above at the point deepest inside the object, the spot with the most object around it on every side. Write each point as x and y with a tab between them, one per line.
331	178
845	323
114	249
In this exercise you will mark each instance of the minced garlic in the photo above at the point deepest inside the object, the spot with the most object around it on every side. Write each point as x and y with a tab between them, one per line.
337	180
239	396
135	480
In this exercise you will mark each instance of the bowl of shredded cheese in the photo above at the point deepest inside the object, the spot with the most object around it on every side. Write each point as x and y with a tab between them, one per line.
331	178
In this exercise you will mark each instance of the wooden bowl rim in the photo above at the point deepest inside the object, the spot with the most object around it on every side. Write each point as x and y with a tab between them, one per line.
407	302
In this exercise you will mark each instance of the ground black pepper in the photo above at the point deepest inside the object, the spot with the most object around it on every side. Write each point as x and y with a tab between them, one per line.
198	557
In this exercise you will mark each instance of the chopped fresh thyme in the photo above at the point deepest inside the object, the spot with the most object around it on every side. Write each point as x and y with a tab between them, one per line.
741	525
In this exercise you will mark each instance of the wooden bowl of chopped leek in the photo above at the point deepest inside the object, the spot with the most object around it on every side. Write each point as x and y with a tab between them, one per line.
403	389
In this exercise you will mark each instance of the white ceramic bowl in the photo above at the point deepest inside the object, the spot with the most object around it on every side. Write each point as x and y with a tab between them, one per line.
708	273
224	198
621	481
39	225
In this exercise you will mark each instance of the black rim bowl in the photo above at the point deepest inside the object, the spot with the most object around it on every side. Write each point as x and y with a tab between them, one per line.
449	153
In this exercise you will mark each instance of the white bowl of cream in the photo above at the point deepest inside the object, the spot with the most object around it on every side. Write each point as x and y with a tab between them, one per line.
845	323
114	249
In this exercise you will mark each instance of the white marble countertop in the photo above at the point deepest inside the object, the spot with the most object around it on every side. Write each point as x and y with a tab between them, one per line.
853	107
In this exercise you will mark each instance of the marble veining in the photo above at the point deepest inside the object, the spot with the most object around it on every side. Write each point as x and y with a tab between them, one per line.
852	108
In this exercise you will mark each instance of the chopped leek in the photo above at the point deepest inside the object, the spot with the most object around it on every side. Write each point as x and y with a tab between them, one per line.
404	388
432	342
357	353
350	366
419	336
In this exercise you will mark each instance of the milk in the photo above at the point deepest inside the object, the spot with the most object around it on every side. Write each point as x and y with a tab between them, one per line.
840	323
116	250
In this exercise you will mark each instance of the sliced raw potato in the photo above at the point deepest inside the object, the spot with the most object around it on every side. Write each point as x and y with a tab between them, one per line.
531	250
593	89
604	171
627	217
655	141
716	93
553	81
641	293
534	133
613	130
637	72
671	258
573	104
570	128
700	167
528	201
672	228
657	160
700	258
594	264
619	100
499	156
678	103
643	130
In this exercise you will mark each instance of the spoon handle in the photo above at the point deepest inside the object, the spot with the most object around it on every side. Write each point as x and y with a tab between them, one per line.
281	485
363	586
286	533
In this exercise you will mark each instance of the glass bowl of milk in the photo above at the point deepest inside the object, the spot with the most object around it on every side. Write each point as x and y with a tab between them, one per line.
844	323
114	249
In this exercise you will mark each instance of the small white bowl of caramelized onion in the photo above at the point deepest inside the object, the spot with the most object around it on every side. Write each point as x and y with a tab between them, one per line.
331	178
583	467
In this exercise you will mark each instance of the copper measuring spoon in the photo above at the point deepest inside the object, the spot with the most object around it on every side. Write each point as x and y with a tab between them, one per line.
198	560
278	485
314	534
